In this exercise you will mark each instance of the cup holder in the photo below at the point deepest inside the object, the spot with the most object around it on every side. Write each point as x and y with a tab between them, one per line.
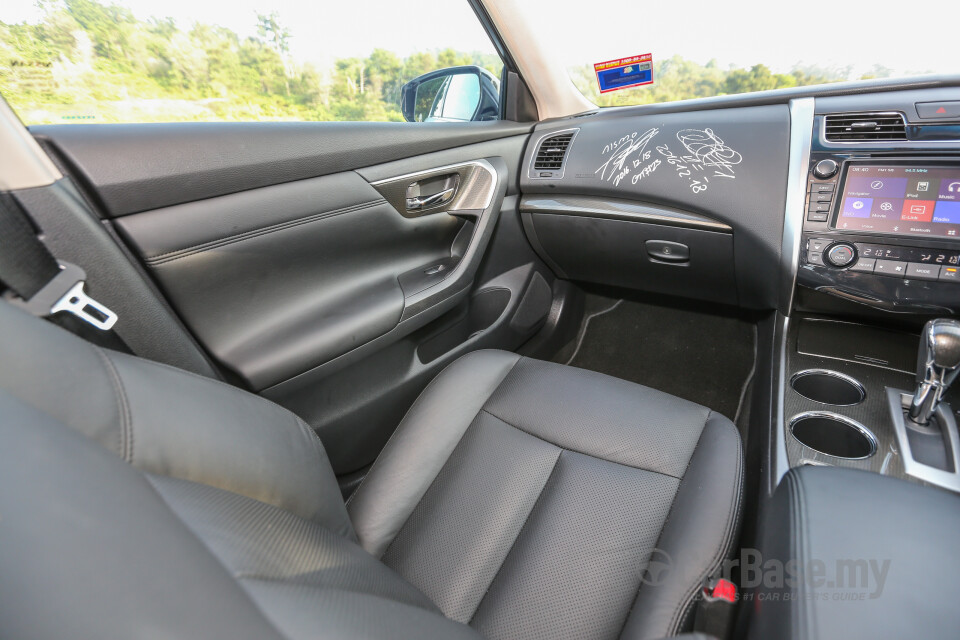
828	387
833	435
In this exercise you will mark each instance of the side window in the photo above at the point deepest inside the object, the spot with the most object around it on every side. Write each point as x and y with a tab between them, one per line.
68	61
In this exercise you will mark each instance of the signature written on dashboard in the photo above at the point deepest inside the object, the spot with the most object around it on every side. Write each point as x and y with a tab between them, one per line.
626	155
707	156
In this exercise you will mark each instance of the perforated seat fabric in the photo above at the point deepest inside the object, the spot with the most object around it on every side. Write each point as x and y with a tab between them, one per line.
516	499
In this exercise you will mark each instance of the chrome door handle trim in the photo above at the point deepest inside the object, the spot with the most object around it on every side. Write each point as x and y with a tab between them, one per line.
414	204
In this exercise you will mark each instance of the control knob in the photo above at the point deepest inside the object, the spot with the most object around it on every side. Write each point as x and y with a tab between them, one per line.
826	169
841	254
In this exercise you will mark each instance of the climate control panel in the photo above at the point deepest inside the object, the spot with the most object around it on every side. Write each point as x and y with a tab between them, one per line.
893	277
884	259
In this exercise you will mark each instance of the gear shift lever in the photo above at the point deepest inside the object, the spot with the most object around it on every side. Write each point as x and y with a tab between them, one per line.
938	364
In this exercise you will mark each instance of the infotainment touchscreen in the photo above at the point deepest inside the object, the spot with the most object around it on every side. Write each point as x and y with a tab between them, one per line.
902	200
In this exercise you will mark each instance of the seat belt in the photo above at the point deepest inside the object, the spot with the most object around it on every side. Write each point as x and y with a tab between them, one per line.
38	282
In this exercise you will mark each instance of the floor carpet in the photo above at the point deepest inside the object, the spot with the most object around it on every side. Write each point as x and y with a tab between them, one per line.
702	357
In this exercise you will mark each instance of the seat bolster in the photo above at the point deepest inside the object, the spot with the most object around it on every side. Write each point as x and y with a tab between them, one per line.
421	445
698	535
218	435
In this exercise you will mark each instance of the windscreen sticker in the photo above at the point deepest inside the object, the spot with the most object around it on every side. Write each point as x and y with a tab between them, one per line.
624	73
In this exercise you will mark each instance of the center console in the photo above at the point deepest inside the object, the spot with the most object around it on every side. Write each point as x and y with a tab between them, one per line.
883	230
864	453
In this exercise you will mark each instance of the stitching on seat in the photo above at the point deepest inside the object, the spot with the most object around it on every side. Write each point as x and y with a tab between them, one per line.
176	254
423	393
666	522
733	518
526	521
430	485
583	453
126	416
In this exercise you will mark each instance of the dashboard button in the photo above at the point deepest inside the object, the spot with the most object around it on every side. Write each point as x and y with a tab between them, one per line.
817	216
818	244
921	271
822	187
814	257
819	206
946	109
864	265
826	169
821	196
949	274
841	255
890	268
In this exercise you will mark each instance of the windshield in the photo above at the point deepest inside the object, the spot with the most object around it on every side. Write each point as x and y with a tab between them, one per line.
707	48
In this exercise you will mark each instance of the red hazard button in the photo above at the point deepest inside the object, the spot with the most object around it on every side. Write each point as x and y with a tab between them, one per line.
939	110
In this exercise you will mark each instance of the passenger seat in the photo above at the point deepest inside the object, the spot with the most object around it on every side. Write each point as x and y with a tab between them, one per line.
516	499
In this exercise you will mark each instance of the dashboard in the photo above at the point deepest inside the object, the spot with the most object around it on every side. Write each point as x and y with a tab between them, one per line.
851	194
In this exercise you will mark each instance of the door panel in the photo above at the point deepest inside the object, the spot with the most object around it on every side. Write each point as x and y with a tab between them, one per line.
138	167
319	288
277	280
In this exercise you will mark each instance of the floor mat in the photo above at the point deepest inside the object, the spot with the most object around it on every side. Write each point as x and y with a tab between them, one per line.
701	357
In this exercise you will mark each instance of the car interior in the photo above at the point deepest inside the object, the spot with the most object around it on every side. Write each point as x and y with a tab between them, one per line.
552	372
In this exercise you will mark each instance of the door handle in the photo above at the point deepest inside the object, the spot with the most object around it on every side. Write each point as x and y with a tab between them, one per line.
421	202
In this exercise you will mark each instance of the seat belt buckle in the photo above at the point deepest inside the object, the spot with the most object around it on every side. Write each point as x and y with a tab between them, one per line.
64	293
715	608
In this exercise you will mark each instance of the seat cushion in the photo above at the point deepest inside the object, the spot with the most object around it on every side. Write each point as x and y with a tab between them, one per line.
527	499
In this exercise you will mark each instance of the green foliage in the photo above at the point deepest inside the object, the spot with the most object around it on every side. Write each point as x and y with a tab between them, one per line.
90	60
94	60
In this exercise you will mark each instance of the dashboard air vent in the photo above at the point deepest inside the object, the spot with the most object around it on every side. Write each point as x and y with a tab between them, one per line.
865	127
552	152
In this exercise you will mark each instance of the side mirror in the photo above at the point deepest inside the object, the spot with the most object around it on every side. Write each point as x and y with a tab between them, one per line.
454	94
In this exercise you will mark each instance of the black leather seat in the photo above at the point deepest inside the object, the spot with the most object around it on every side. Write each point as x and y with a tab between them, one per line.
517	499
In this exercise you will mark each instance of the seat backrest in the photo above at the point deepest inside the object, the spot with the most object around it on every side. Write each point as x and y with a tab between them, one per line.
137	499
169	422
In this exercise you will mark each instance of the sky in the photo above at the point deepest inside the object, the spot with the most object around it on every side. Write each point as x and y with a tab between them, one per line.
739	32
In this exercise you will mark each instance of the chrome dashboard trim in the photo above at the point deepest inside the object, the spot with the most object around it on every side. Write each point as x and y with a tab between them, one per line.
898	401
616	209
801	139
779	463
850	422
556	174
884	145
830	373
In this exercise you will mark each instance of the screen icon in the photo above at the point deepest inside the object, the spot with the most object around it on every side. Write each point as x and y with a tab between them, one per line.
886	206
874	188
857	207
923	186
947	212
917	210
949	190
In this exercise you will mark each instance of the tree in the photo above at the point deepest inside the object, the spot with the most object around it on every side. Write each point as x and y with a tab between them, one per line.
278	37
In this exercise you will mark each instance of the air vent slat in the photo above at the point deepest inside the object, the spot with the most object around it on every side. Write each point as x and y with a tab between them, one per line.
865	127
552	152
